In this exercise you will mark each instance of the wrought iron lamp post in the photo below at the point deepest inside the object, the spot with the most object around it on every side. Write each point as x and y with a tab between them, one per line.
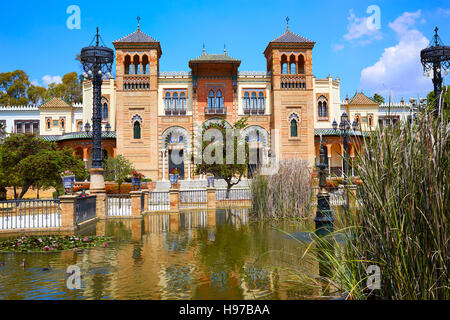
324	216
437	58
97	62
344	127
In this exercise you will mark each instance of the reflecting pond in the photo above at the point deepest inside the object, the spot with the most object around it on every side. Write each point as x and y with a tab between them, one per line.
190	255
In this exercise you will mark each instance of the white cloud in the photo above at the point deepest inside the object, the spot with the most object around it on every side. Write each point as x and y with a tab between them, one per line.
47	79
444	12
35	83
399	66
401	24
361	28
338	47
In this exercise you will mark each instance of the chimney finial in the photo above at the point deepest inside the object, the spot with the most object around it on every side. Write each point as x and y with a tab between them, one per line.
204	52
224	49
138	20
287	22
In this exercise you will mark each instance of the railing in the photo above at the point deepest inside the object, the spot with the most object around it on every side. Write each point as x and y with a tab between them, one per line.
237	197
158	201
136	82
252	111
85	209
29	214
178	112
143	202
292	82
337	196
193	199
209	110
118	205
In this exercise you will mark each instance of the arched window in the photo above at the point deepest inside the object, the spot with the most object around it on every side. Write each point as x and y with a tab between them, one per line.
293	68
301	64
175	101
261	101
183	101
219	98
254	101
144	64
211	99
79	126
136	64
370	120
62	124
322	108
167	101
49	123
127	63
137	130
246	100
105	112
284	64
294	128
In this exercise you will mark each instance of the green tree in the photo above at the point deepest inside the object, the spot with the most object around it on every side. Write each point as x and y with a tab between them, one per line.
36	94
72	87
13	88
378	98
117	169
225	170
55	90
27	160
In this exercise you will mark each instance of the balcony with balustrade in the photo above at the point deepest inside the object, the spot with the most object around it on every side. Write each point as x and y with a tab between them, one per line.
215	110
136	82
293	82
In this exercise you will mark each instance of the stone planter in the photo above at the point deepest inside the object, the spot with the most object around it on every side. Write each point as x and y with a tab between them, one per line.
68	183
173	178
136	182
210	179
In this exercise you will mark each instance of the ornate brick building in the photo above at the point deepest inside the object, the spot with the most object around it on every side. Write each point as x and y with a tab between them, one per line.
156	114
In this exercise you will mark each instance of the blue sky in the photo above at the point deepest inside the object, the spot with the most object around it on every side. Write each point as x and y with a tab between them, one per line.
34	36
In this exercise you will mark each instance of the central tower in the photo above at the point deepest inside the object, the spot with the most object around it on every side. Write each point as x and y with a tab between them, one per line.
137	68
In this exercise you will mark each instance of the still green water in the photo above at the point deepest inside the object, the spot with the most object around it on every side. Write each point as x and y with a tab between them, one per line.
191	255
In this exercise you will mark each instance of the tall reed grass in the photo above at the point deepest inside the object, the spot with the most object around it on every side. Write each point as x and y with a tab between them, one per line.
402	225
284	194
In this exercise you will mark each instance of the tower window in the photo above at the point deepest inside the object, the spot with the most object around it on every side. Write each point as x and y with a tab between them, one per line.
137	130
105	112
301	64
294	128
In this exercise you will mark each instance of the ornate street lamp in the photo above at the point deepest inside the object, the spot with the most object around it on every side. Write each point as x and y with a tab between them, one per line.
344	127
97	62
87	127
324	216
437	58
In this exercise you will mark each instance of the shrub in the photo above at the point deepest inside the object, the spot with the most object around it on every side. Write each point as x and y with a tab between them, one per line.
403	225
285	194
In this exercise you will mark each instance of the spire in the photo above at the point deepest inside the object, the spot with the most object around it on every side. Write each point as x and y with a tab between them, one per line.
204	52
224	49
287	23
97	36
138	20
